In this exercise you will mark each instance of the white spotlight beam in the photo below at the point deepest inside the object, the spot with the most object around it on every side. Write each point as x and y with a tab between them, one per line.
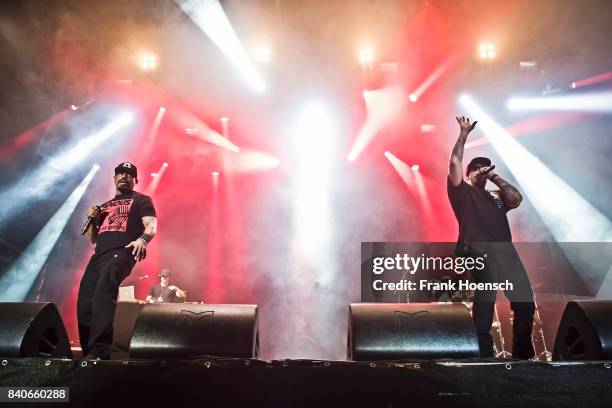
313	135
433	77
152	136
156	179
383	107
402	169
40	182
17	281
209	16
77	153
595	102
568	216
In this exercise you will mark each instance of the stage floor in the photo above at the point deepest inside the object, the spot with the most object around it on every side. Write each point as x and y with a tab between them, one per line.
315	383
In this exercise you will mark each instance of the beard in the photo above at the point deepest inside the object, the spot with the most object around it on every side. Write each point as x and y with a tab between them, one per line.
124	187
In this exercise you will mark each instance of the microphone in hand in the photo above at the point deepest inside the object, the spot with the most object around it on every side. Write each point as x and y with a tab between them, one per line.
93	213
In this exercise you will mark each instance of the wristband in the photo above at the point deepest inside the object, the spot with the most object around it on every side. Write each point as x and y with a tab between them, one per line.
146	238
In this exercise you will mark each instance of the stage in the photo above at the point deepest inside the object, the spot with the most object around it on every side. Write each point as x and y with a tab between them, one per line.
316	383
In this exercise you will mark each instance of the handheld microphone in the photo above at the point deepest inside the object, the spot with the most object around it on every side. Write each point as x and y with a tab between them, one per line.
88	223
490	169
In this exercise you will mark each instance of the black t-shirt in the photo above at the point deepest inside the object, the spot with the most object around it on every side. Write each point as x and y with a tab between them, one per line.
481	214
121	220
167	295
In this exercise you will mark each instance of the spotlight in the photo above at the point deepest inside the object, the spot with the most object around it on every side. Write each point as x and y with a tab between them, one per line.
250	161
528	65
215	173
157	176
366	56
224	119
487	51
147	61
606	76
210	17
415	167
313	132
16	282
432	78
428	128
74	107
594	102
383	106
542	186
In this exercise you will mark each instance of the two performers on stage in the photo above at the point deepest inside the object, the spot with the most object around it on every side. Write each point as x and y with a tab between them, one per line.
123	227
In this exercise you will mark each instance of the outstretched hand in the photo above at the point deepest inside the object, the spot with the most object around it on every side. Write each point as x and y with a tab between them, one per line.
139	249
465	125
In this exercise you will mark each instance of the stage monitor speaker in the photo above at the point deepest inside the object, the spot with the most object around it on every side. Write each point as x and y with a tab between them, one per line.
585	331
192	330
401	331
126	315
32	330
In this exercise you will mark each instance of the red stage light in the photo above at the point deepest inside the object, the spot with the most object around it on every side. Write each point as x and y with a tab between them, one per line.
607	76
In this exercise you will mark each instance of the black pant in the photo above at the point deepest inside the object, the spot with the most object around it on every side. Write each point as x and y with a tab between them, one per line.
98	299
503	263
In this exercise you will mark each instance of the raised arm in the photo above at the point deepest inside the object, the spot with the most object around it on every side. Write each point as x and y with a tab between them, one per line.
455	167
510	194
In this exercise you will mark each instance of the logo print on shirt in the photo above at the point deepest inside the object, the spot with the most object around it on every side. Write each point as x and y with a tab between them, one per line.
115	215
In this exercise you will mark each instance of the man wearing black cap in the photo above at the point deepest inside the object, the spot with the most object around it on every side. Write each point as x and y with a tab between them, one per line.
484	231
164	292
121	229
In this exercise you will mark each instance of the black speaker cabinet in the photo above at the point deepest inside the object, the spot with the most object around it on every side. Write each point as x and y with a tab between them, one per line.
585	331
126	314
32	330
401	331
183	330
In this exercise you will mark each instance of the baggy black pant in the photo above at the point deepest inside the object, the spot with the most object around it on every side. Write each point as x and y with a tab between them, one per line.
502	263
97	299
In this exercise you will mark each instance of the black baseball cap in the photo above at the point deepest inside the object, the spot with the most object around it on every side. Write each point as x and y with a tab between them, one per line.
476	163
128	168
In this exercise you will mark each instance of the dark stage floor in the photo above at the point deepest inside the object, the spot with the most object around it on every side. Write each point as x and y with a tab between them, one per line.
313	383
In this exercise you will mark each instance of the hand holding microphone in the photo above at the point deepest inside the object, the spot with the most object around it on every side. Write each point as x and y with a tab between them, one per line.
486	173
93	213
